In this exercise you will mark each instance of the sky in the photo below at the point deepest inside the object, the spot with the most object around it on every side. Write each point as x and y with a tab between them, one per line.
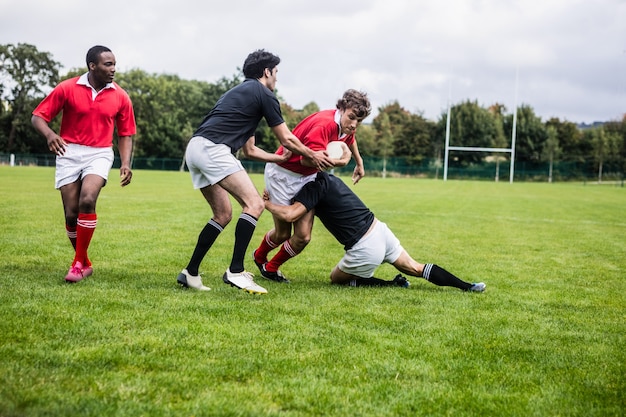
564	58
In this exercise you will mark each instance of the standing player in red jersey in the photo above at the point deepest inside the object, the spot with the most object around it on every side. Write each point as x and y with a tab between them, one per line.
93	105
284	180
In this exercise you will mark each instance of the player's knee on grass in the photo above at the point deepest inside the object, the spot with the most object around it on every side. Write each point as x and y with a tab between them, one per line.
337	276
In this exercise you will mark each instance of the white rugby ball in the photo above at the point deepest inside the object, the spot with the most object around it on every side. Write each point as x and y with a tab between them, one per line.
334	149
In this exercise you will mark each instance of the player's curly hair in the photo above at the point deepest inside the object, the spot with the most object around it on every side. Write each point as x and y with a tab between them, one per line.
93	54
357	101
257	61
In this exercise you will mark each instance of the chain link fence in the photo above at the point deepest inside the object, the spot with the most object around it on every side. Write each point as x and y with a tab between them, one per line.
586	171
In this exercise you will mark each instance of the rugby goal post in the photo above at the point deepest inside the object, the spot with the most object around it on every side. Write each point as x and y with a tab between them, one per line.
510	150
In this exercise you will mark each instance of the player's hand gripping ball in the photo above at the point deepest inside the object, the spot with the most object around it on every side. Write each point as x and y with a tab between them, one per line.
335	149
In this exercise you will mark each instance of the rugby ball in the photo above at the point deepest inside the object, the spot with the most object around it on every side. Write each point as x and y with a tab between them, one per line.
334	149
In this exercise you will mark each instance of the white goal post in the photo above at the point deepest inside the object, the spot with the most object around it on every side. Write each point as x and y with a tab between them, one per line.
510	150
475	149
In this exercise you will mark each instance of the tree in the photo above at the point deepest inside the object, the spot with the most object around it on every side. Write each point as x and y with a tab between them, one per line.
394	128
414	144
385	138
409	135
606	147
366	139
617	129
498	111
600	148
530	134
570	140
28	71
551	149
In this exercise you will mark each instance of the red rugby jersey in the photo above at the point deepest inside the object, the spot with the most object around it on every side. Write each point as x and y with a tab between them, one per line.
89	121
315	131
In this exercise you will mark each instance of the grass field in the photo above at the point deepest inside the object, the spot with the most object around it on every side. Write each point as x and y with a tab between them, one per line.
547	338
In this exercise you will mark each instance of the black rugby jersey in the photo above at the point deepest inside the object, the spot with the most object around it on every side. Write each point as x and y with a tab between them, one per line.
236	115
345	216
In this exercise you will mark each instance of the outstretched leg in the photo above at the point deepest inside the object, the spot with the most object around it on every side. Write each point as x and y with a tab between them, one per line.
434	274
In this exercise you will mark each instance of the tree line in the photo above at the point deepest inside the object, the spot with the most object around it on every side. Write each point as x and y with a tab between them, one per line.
168	109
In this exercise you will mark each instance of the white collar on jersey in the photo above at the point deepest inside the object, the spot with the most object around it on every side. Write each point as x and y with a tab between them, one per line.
84	80
338	121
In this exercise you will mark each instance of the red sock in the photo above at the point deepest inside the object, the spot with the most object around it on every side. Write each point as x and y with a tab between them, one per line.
71	234
285	253
266	246
84	231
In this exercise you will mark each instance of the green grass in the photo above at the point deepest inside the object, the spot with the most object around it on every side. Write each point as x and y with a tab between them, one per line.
547	338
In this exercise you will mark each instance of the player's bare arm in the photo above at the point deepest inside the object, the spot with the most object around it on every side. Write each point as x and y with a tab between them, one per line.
345	156
288	214
359	169
56	144
319	159
251	151
125	147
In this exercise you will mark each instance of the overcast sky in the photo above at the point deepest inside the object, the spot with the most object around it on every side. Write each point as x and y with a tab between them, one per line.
569	55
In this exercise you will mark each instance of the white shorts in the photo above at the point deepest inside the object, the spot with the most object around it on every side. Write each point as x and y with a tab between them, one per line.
209	162
80	160
378	246
282	184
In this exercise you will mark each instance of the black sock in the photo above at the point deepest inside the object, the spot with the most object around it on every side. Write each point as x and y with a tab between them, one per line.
243	234
370	282
443	278
205	240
